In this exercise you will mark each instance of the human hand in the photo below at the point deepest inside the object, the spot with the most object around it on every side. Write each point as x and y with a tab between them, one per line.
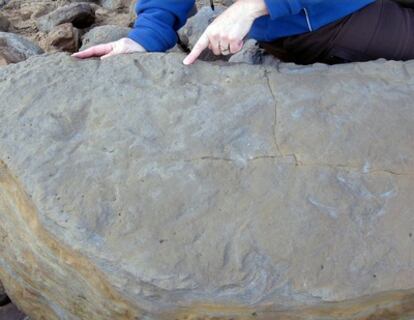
226	33
123	45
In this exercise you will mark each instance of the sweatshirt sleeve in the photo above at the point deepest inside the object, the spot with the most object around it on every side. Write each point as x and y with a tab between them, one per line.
158	21
281	8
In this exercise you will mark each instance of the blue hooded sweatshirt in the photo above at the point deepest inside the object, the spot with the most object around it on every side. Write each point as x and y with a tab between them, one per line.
158	20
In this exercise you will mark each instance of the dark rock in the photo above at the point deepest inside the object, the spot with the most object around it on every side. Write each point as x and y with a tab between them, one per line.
81	15
4	300
11	312
14	48
4	23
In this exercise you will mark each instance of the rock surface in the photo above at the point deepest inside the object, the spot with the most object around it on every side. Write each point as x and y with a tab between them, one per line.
138	188
103	34
14	48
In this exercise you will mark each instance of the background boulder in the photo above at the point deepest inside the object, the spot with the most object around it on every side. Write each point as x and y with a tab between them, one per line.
81	15
103	34
64	37
14	48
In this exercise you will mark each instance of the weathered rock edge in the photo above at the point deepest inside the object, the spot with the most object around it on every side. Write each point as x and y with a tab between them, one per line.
39	269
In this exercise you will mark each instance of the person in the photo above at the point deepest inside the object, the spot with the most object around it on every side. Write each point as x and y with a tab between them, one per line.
301	31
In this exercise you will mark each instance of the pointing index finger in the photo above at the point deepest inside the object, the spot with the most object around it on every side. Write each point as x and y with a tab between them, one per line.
199	47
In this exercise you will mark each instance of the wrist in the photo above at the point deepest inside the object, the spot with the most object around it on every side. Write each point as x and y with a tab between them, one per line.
254	8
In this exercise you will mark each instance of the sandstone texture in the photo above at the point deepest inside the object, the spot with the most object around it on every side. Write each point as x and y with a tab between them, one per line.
138	188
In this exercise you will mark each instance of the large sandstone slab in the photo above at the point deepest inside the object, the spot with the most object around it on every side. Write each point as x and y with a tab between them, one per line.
138	188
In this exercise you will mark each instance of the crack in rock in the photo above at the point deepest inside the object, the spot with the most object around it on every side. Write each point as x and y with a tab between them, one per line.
266	75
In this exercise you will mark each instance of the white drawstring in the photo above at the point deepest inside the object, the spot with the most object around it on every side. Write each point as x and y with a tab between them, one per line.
307	19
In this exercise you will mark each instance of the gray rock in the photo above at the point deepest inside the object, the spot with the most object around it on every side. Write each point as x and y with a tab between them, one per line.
250	53
15	48
4	23
103	34
139	188
81	15
194	28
